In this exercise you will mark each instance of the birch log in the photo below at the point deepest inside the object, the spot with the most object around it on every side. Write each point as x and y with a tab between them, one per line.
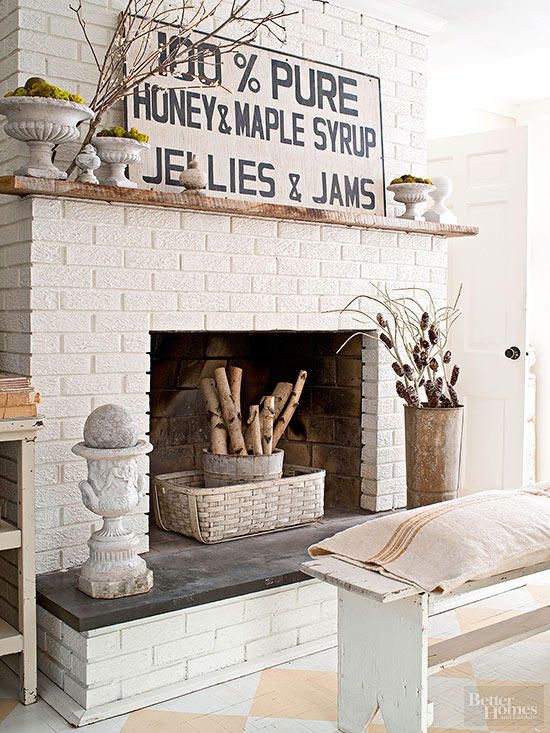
229	412
282	392
254	431
218	431
289	409
268	414
235	378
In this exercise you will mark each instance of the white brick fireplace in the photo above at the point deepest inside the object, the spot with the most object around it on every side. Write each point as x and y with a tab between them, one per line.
88	281
84	283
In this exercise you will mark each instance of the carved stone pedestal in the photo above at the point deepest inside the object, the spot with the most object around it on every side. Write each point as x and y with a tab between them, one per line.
113	488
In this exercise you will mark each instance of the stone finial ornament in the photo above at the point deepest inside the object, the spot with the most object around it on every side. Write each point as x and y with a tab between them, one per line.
111	426
87	161
439	213
193	179
113	488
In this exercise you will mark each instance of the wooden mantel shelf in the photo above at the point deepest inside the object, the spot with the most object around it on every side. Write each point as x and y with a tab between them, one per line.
24	186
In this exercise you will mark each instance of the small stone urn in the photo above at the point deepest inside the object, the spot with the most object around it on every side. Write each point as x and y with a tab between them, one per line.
413	195
113	488
193	179
87	161
116	153
439	213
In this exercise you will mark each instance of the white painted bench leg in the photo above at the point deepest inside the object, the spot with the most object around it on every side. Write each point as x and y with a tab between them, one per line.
383	661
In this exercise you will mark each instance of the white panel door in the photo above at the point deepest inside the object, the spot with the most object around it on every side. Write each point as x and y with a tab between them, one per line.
489	172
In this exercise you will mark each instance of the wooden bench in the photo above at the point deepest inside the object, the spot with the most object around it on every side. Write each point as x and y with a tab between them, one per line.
383	654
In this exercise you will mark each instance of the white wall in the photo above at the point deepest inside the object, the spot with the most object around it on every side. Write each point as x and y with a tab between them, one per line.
460	110
537	117
448	116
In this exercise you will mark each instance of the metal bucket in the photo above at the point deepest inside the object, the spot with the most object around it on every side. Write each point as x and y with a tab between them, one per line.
227	470
433	442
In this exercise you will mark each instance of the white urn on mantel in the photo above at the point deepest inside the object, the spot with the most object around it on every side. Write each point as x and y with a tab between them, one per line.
439	213
113	488
193	179
414	196
116	153
43	122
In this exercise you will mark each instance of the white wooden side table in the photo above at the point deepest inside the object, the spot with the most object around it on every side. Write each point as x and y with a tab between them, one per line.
23	432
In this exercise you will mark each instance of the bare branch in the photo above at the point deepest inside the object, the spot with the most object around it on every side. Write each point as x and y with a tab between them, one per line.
78	11
133	55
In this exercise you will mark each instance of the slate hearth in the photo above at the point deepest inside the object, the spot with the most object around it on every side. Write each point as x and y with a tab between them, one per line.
190	574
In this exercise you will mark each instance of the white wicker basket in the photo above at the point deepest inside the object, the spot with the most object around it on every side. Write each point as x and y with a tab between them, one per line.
183	505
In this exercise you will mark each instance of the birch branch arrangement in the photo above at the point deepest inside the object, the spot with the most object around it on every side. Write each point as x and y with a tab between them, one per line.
266	423
134	53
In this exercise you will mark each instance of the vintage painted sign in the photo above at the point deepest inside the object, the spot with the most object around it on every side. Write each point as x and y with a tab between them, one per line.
265	126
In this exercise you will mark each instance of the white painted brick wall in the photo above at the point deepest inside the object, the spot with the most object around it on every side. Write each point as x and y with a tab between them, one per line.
42	38
104	275
85	345
115	662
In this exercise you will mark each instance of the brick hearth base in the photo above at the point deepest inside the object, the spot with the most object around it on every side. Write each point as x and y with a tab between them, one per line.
92	675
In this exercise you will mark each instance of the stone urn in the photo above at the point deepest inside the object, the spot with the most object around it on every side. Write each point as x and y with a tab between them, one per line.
439	213
87	161
414	196
42	122
116	153
193	179
433	446
113	488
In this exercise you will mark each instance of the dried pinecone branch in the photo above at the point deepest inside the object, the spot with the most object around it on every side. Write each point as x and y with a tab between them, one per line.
453	395
398	369
454	375
402	392
416	333
432	394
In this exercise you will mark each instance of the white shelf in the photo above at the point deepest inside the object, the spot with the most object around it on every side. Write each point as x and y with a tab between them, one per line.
11	641
25	186
23	432
10	536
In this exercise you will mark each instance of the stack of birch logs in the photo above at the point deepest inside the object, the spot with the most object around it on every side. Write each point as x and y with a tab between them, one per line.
266	423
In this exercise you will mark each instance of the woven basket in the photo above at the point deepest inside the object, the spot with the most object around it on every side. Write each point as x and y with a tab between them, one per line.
183	505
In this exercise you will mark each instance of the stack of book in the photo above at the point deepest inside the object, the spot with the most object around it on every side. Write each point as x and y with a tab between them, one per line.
17	397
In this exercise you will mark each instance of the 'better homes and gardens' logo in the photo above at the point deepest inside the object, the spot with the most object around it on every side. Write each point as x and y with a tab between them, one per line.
521	705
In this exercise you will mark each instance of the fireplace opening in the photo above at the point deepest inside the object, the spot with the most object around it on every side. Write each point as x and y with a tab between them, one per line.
325	432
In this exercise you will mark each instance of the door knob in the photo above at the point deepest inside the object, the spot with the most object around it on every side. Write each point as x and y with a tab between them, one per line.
512	352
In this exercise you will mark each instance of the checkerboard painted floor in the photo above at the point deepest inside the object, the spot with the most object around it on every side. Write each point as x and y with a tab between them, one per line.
300	697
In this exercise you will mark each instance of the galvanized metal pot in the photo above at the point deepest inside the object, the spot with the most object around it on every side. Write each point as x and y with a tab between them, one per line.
433	441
